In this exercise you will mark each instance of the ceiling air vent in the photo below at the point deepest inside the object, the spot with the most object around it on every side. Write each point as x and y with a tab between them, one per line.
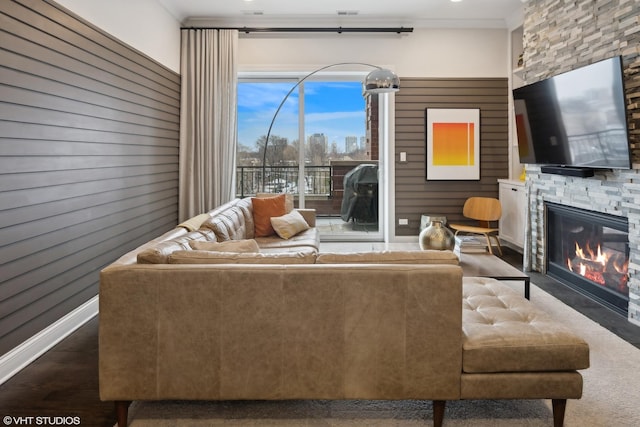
347	12
253	12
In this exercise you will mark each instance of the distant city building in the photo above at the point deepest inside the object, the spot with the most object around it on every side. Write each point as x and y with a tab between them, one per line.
319	138
350	144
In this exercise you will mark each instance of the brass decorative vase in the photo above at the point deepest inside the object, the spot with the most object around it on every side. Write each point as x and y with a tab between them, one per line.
436	236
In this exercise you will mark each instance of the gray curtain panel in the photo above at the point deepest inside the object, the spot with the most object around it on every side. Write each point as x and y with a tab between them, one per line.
208	116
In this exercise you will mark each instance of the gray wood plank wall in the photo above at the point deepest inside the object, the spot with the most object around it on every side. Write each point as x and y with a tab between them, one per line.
89	133
416	196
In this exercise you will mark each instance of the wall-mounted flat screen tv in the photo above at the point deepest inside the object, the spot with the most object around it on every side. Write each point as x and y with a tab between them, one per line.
575	119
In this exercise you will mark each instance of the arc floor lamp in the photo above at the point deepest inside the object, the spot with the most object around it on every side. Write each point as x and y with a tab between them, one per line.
380	80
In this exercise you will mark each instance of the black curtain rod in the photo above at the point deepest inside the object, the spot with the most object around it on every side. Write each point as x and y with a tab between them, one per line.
308	29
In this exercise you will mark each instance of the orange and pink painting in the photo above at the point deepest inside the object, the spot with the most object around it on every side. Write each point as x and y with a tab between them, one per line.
453	144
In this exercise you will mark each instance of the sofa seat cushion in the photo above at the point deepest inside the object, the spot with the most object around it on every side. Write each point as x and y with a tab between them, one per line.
504	332
158	253
132	256
240	246
388	257
306	239
213	257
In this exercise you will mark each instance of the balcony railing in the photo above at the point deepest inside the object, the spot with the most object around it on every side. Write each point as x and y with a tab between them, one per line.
323	184
278	179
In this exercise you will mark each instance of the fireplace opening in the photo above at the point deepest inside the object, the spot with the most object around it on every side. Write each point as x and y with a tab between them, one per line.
589	252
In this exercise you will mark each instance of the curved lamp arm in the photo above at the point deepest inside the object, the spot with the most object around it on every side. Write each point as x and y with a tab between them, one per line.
379	80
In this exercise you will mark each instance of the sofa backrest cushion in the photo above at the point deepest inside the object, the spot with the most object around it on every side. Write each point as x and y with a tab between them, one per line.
229	224
389	257
309	216
210	257
239	246
215	211
246	207
158	253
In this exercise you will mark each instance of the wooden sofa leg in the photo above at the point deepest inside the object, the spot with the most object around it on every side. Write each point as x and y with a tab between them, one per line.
559	406
438	412
122	412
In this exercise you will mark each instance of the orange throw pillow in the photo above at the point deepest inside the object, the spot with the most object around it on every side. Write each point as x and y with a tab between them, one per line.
263	210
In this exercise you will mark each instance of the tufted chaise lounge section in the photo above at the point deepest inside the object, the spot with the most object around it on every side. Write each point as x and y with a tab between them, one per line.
513	350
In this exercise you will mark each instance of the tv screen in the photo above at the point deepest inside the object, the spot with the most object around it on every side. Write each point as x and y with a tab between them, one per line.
577	118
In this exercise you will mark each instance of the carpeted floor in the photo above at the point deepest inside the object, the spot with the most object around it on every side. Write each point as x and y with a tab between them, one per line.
611	397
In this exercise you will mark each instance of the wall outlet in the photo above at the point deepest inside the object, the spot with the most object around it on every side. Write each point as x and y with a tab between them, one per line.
403	221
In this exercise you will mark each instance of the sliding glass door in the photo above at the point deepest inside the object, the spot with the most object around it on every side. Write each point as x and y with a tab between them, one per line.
318	138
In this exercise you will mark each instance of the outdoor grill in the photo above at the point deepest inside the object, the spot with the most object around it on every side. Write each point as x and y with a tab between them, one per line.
360	198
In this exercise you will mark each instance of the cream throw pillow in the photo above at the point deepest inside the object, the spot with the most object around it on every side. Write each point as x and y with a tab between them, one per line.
287	226
238	246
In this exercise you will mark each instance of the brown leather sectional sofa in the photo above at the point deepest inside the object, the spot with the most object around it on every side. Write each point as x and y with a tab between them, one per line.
402	325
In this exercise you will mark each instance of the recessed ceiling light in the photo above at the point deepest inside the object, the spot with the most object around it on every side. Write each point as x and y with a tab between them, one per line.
455	1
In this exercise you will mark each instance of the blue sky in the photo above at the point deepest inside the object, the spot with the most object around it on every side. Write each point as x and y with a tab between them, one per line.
333	108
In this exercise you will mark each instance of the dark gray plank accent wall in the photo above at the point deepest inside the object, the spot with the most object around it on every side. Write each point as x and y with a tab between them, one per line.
89	134
416	196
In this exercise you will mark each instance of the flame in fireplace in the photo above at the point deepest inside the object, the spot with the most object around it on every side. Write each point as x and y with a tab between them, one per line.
597	257
600	266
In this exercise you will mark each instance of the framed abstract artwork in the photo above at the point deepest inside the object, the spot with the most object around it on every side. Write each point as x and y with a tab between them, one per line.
453	143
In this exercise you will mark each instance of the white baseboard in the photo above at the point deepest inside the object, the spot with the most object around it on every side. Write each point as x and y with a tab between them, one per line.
21	356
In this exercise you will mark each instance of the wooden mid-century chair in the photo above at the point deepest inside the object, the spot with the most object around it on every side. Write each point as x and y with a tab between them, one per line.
485	210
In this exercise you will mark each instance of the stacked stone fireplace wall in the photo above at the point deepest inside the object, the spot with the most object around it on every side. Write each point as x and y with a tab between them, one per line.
560	36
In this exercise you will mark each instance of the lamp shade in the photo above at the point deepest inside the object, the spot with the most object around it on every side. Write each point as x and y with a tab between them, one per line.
381	80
